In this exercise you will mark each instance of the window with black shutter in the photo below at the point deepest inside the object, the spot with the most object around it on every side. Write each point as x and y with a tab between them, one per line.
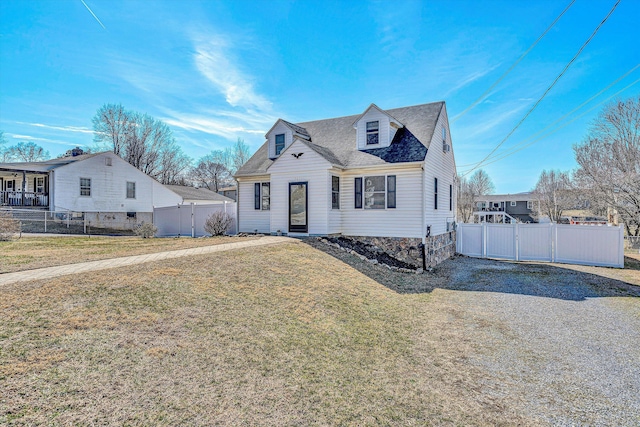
256	197
450	197
435	193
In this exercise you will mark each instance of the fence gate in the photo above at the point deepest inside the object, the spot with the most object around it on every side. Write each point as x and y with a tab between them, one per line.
569	244
189	220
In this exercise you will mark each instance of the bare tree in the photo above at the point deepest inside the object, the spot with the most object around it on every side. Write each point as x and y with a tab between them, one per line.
609	162
481	183
26	152
468	191
4	156
555	194
211	171
465	200
237	156
110	127
144	142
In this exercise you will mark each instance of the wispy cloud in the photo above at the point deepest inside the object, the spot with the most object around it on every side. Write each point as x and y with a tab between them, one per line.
61	128
35	138
210	125
214	60
476	75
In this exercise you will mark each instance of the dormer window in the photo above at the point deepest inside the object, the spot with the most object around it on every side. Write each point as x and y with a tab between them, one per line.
372	132
279	143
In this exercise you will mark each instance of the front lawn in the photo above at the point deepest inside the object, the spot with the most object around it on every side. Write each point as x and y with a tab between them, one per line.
280	335
28	253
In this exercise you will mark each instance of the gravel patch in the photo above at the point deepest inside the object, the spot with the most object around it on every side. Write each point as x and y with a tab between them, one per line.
557	345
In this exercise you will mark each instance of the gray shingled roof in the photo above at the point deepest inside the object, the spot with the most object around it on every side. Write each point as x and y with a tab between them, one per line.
335	140
46	165
193	193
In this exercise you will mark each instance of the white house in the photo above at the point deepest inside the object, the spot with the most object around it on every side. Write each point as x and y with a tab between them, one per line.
103	187
387	175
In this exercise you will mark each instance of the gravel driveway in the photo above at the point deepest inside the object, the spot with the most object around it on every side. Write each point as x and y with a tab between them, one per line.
559	346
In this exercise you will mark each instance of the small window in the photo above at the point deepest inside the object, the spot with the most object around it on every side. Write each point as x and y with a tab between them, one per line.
131	190
444	134
374	192
530	205
85	186
262	196
39	188
266	196
131	215
335	192
450	197
513	203
435	193
107	161
372	132
279	143
496	205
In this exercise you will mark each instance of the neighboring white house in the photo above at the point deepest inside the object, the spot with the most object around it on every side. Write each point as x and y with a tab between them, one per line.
106	189
379	174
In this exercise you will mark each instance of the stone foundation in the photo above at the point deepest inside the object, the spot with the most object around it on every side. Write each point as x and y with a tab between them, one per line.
437	248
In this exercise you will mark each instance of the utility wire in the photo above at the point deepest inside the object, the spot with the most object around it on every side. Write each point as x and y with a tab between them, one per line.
565	116
486	92
507	154
549	88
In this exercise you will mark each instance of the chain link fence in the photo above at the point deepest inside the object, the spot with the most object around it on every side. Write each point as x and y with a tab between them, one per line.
60	222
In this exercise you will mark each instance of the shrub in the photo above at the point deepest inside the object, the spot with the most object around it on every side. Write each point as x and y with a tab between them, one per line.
8	226
146	230
218	223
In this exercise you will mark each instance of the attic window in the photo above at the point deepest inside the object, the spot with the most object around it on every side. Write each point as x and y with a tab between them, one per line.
372	132
107	161
279	143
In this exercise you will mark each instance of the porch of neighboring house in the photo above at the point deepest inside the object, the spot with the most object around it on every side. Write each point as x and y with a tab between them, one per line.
20	189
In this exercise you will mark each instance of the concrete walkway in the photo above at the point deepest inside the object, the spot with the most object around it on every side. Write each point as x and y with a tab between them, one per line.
63	270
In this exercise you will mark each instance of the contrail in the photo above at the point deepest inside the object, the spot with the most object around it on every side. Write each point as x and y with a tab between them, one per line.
94	15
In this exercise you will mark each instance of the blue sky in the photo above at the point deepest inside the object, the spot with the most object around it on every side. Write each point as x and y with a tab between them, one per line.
216	71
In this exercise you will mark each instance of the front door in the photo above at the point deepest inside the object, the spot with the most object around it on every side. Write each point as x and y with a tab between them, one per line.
298	212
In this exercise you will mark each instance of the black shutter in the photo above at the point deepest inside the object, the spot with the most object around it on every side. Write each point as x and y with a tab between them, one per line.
435	194
451	198
34	185
256	197
391	191
358	199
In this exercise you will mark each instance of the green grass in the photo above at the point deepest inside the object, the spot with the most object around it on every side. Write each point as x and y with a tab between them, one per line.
282	335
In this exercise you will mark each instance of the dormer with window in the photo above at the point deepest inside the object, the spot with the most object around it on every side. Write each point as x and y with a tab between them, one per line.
375	128
281	136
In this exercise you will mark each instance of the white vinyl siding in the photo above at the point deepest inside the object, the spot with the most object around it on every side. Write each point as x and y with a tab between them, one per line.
251	219
440	165
310	168
107	187
386	132
403	221
279	129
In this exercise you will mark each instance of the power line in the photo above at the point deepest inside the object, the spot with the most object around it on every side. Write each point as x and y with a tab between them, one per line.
566	115
550	87
486	92
507	154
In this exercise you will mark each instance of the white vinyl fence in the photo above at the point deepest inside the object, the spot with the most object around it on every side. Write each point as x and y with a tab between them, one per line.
569	244
188	220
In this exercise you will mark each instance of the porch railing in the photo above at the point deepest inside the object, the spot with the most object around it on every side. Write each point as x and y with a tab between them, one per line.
15	198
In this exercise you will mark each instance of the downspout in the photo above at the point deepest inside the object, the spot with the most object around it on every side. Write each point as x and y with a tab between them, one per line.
424	220
237	207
